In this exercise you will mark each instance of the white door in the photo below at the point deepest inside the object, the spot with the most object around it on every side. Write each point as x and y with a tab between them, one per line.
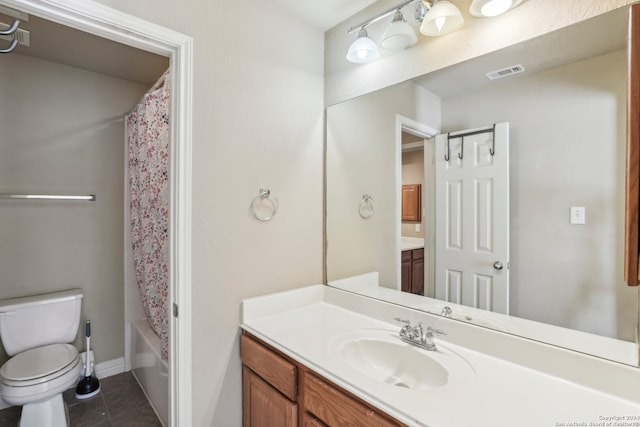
472	218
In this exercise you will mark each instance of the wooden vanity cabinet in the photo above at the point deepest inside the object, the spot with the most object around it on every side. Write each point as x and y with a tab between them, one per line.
412	268
269	387
263	405
412	202
279	392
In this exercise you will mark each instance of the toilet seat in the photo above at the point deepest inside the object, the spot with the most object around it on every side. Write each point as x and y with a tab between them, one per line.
39	365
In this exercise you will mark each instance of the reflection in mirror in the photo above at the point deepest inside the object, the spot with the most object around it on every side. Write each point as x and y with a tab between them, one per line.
566	139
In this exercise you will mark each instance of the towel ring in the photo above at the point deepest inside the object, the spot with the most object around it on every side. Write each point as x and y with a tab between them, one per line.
264	194
366	206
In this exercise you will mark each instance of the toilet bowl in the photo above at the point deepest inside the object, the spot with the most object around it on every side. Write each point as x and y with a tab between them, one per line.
37	331
35	380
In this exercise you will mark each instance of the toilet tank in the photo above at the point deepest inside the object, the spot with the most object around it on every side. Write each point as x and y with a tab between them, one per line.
38	320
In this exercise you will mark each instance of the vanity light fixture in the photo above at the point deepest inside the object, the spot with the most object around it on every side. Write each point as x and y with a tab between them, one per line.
490	8
363	49
442	18
399	35
437	18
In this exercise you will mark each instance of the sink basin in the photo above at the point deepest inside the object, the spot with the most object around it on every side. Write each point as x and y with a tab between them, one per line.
382	356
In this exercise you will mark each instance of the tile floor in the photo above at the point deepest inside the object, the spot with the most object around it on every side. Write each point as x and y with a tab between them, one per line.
120	403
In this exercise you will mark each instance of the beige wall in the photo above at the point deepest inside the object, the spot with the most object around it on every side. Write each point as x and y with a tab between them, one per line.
413	173
361	156
567	148
62	133
532	18
257	122
258	95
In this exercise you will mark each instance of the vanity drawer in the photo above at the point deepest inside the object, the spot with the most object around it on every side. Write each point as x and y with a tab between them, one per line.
275	370
406	256
418	253
335	408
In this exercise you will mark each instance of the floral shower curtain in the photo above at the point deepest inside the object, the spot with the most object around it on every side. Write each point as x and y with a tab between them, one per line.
147	131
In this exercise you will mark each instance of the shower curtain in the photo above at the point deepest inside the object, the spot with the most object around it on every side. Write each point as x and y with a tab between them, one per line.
147	132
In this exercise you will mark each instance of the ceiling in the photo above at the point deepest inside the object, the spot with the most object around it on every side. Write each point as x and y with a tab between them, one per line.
324	14
57	43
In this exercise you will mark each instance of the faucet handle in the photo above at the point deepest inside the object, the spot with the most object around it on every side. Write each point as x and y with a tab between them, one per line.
405	321
436	331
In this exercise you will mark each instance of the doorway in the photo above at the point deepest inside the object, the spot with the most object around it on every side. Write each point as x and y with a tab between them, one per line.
413	258
104	23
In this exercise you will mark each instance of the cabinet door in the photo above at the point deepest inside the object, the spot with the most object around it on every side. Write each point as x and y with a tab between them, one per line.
411	202
632	194
405	271
263	406
417	276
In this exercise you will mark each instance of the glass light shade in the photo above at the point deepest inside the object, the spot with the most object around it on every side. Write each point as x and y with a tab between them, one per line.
489	8
443	18
363	49
399	35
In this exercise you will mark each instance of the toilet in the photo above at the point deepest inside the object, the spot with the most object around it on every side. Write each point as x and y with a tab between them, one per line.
36	331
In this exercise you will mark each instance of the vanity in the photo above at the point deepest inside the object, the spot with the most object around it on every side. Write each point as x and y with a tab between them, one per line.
280	389
533	312
321	356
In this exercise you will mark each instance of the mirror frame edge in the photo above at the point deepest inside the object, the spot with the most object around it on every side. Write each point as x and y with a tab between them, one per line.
632	190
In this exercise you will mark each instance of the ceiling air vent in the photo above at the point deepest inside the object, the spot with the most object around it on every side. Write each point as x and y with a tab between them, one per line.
23	36
504	72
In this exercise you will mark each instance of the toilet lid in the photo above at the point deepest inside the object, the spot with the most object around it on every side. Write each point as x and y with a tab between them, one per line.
38	362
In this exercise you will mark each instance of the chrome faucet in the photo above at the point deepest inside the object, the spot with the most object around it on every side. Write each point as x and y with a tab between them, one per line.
417	335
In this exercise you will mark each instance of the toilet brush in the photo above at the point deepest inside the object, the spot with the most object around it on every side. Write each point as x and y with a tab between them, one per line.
89	386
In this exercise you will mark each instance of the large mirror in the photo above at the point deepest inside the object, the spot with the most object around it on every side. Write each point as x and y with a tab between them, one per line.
565	116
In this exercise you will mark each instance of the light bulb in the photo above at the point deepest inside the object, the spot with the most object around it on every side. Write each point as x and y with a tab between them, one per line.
363	49
491	8
495	7
443	18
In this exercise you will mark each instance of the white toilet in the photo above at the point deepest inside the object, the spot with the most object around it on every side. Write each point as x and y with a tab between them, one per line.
36	332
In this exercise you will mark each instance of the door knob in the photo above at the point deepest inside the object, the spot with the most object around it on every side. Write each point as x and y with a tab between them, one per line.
498	265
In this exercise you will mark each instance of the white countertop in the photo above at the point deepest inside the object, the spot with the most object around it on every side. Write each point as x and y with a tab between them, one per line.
410	243
303	323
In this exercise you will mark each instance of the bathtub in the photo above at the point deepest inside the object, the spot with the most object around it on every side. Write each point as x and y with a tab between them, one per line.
149	369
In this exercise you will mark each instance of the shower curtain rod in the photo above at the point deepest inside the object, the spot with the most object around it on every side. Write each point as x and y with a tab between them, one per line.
89	198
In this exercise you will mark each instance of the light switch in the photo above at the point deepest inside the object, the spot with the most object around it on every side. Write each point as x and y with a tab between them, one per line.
417	228
578	215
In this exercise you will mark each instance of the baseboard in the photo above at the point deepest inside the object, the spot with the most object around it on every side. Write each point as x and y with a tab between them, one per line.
102	370
110	368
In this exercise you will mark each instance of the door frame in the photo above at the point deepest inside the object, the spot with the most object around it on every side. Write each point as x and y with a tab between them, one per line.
426	132
112	24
